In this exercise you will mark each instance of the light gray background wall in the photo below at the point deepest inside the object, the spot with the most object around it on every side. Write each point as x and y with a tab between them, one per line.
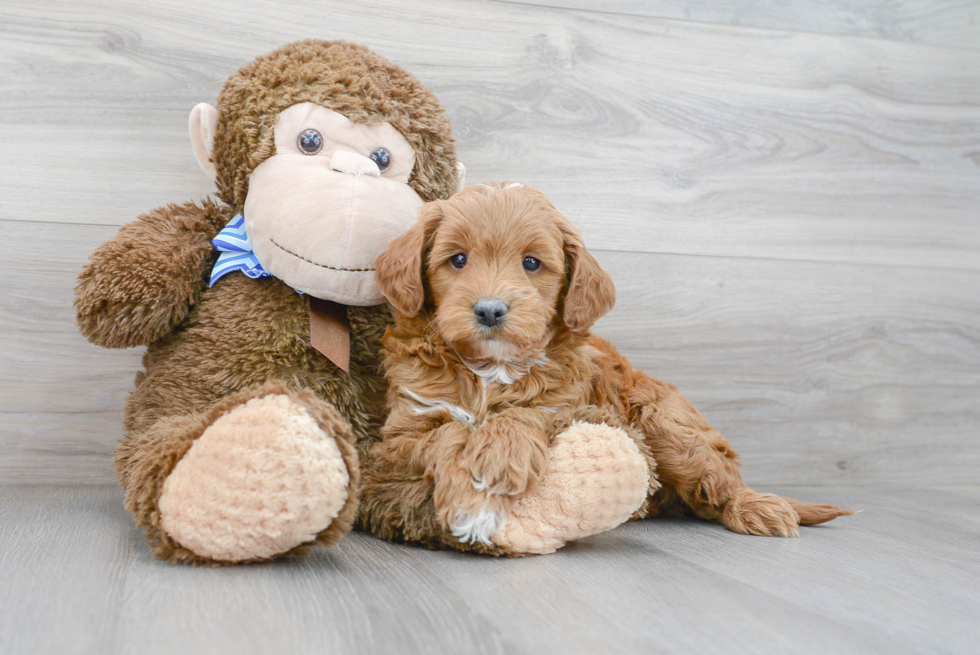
787	195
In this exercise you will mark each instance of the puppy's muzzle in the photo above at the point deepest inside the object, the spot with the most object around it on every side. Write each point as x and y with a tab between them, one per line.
490	312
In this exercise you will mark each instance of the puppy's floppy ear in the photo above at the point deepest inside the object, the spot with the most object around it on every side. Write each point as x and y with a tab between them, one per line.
398	270
591	293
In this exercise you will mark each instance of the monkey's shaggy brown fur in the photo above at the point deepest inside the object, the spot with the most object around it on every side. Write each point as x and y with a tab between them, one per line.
211	349
347	78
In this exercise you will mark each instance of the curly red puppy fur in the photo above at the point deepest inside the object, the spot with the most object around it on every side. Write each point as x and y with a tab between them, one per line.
494	293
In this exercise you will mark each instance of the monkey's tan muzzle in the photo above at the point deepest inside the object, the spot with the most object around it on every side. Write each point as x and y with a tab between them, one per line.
320	230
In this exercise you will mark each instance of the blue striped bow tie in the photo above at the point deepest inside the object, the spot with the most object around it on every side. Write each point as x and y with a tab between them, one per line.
236	252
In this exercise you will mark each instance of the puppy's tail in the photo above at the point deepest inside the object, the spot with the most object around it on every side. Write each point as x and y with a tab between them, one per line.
811	514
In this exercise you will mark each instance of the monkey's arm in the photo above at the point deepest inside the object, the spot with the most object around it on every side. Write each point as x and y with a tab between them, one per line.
143	281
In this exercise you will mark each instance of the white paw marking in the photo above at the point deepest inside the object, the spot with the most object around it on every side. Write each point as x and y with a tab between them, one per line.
474	528
422	405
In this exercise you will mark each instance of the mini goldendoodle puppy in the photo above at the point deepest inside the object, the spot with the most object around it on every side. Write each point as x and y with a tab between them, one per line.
490	361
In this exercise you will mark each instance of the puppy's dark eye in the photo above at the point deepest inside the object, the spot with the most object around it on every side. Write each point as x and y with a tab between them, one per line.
310	142
531	263
382	158
458	261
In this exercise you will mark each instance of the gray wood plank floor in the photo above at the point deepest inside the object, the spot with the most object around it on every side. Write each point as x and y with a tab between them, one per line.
902	576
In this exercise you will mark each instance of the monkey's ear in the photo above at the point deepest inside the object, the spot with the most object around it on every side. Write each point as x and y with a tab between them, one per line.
460	176
202	125
591	293
398	270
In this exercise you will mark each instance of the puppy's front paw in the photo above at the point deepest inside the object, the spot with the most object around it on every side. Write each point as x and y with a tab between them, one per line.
505	457
462	509
766	515
475	527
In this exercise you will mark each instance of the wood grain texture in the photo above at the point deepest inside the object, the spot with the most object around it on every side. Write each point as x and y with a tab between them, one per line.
816	372
953	23
900	577
791	217
685	137
64	561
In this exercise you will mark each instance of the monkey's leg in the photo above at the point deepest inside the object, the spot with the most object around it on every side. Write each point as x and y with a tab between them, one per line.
598	477
263	473
697	463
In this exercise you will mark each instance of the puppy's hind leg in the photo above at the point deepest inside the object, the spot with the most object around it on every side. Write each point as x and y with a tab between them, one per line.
698	463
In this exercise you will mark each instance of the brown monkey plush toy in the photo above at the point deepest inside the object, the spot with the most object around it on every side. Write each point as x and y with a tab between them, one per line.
262	395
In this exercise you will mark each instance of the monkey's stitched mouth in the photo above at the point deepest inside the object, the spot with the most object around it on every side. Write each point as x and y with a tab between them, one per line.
310	261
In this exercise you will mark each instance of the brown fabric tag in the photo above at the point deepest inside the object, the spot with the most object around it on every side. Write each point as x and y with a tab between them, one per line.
330	331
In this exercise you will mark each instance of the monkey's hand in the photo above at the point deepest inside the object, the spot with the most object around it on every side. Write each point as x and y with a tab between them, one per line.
509	453
142	282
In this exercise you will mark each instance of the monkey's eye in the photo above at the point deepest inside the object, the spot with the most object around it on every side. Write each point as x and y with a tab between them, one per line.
382	158
310	142
531	263
458	261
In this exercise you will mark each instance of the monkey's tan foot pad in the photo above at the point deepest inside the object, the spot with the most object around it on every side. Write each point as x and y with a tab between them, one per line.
596	480
262	479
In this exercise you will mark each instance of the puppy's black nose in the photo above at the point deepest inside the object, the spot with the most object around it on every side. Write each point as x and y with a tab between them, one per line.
490	311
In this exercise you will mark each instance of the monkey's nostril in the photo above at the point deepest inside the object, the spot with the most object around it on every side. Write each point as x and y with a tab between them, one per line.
490	312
